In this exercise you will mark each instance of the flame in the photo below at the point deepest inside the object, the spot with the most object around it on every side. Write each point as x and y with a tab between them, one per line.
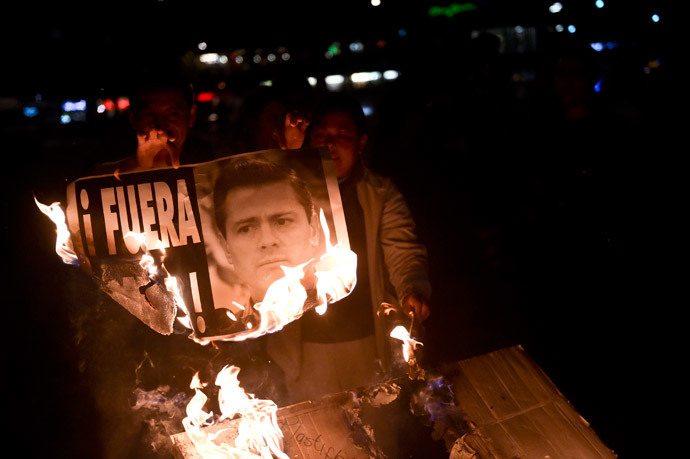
285	299
63	242
258	431
409	344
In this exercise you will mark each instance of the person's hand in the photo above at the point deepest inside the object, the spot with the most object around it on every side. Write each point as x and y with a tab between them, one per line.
294	130
156	148
417	304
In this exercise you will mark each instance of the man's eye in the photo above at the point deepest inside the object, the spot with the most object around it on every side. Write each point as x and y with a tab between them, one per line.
244	229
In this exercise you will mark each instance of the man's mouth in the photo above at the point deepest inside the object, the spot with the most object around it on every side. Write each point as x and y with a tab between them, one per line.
272	261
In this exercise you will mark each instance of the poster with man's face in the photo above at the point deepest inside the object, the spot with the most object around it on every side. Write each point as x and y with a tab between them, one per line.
229	249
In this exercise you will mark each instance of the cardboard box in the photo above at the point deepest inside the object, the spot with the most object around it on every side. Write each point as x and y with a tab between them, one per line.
497	405
517	412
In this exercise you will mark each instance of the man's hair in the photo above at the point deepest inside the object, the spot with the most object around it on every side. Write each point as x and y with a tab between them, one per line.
252	173
344	103
160	81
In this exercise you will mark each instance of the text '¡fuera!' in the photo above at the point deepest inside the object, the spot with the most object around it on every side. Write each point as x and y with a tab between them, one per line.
166	219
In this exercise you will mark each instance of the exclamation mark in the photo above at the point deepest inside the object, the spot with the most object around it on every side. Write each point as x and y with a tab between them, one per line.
196	299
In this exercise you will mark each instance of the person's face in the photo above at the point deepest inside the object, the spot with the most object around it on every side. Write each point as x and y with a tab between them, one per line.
339	133
162	122
267	227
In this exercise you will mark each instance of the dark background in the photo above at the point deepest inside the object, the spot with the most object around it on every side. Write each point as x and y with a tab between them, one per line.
539	230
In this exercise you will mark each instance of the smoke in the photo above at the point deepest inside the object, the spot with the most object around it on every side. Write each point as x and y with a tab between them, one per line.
363	435
163	413
434	402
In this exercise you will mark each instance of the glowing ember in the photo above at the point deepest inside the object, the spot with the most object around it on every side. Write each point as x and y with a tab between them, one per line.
63	243
258	431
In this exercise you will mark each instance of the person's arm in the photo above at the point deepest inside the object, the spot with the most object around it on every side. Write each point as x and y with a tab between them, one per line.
405	257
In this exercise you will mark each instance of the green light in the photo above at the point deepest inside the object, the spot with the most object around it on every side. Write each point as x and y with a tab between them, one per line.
334	49
451	10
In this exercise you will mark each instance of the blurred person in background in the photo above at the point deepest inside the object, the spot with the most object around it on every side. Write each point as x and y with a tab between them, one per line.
162	111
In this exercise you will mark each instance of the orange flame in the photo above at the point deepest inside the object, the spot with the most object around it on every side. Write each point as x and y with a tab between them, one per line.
258	431
409	344
63	243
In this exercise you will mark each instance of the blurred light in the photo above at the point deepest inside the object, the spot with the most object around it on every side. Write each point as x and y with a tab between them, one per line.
109	104
209	58
367	109
519	29
335	79
571	28
285	56
213	117
70	106
334	82
597	86
654	64
122	103
556	7
451	10
365	77
559	28
328	55
266	83
599	46
65	119
221	85
334	49
375	2
205	97
100	108
356	46
256	58
402	32
390	74
312	81
223	59
271	57
381	43
30	112
599	3
656	18
202	45
239	59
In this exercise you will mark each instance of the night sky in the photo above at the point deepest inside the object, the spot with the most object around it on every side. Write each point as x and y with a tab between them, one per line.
538	229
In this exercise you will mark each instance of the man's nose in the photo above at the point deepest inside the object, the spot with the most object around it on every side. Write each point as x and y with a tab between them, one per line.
267	237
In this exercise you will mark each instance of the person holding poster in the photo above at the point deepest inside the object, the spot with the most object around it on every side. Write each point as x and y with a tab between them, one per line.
349	346
162	110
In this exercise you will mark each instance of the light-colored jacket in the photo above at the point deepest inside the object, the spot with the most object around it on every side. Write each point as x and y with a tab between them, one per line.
397	267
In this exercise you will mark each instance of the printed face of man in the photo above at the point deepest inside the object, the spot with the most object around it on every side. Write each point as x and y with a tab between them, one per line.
267	227
339	133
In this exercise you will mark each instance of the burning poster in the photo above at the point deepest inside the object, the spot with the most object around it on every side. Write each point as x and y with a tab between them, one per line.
231	249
